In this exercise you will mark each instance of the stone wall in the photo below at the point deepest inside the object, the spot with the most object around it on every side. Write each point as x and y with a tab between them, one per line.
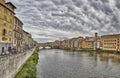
10	65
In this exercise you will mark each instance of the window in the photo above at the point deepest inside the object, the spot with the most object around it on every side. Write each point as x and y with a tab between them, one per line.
9	39
4	38
10	20
10	26
15	35
2	49
9	49
5	18
4	32
15	41
10	33
10	14
5	11
4	23
16	21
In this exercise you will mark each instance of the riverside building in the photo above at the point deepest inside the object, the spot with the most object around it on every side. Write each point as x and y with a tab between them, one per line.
111	42
88	43
12	35
18	33
6	25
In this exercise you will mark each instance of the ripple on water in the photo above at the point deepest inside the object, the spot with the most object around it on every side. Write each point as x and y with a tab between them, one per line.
61	64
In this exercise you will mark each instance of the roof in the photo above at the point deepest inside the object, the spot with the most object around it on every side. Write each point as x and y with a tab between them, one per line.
110	35
19	20
11	4
26	32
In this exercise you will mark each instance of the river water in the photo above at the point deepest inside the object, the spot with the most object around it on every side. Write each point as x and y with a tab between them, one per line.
54	63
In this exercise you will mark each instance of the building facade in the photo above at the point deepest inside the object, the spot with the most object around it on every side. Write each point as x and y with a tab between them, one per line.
12	35
6	26
87	44
18	34
111	42
56	44
27	41
105	42
78	43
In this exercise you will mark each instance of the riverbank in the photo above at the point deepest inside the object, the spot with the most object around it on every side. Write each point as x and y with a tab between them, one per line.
90	50
29	68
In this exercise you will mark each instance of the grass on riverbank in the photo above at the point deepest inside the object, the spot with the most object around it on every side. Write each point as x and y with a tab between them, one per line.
29	68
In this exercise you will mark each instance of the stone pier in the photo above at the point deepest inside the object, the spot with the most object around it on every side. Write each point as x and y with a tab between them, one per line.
11	64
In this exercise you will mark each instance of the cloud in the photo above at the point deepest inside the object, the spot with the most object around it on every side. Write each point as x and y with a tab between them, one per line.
48	20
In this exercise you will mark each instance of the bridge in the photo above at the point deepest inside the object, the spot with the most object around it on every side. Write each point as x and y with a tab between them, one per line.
45	45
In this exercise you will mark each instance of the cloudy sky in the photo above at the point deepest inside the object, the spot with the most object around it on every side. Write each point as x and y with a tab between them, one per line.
49	20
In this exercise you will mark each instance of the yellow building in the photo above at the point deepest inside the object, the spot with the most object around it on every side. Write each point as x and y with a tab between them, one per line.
87	44
111	42
18	33
92	43
6	25
64	44
56	44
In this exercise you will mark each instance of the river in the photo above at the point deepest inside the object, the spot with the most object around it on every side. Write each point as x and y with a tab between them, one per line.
55	63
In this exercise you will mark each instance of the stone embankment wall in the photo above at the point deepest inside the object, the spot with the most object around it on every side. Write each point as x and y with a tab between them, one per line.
10	65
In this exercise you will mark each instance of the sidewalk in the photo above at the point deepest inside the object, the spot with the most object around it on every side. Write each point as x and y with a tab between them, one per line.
10	54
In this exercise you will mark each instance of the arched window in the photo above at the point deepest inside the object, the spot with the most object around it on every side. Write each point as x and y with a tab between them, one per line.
9	49
2	49
4	32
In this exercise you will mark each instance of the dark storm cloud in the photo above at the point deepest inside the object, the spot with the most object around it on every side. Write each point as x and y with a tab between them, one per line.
48	20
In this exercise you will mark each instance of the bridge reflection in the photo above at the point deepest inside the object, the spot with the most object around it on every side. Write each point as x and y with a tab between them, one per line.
44	47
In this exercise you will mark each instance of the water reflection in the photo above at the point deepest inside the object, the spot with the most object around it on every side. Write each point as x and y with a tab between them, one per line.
67	64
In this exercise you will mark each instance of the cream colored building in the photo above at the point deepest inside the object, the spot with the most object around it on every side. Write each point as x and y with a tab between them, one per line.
78	43
111	42
18	33
72	43
69	43
25	41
